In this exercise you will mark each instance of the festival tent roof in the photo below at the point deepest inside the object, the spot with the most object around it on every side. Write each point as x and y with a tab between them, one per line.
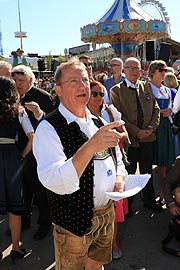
125	9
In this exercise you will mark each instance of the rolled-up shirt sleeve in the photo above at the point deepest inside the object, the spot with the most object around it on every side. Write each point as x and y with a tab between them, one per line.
25	122
121	170
55	171
116	114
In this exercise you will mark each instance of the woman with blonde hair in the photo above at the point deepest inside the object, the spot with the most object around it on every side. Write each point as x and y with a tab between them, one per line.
171	81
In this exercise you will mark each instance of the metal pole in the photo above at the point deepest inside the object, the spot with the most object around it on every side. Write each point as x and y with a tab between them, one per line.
19	14
122	52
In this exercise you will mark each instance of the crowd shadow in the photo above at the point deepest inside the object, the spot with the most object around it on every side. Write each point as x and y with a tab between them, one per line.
139	236
42	256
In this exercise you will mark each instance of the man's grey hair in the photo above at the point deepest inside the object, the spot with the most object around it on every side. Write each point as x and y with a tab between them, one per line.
27	70
132	59
5	64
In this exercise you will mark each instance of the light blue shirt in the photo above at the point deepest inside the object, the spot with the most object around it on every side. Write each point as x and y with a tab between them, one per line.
109	83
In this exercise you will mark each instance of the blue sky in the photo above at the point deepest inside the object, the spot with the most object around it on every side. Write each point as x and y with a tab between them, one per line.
54	25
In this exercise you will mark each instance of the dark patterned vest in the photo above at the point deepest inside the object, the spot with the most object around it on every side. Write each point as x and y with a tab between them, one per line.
74	211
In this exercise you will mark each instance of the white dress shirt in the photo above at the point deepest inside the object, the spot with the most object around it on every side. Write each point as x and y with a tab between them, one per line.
58	174
25	122
129	84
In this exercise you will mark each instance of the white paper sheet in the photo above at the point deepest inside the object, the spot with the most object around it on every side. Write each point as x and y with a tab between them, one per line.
133	185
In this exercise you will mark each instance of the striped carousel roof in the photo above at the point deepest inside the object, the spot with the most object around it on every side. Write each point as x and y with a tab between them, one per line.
125	9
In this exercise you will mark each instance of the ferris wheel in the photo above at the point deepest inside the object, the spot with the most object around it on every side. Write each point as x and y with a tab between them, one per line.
155	9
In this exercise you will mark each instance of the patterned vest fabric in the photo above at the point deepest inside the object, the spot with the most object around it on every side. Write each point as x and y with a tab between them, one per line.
74	211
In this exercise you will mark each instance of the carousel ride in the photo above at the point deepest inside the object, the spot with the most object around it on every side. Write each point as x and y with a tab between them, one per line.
124	26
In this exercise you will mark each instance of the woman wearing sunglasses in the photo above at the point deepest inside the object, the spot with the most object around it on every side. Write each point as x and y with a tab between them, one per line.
109	113
164	155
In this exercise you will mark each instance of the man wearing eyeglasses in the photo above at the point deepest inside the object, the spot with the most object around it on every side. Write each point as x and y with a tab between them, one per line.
115	70
37	103
77	167
134	99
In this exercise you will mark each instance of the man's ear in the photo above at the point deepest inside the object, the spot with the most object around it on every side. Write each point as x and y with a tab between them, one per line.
30	79
57	89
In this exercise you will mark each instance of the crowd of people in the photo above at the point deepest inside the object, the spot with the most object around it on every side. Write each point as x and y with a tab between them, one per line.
99	129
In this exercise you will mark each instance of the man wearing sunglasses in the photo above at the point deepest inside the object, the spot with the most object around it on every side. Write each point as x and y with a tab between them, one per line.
37	103
141	113
115	70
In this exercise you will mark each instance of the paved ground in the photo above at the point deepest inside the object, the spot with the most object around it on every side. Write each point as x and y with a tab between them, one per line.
140	238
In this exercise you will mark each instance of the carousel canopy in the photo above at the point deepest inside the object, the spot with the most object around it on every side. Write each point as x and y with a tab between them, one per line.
125	9
125	22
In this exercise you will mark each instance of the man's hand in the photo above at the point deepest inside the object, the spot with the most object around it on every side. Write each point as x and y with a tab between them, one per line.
104	138
166	112
107	136
144	133
34	107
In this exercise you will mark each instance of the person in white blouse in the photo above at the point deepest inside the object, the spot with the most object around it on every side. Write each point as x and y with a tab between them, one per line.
165	154
109	113
176	103
75	162
171	81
